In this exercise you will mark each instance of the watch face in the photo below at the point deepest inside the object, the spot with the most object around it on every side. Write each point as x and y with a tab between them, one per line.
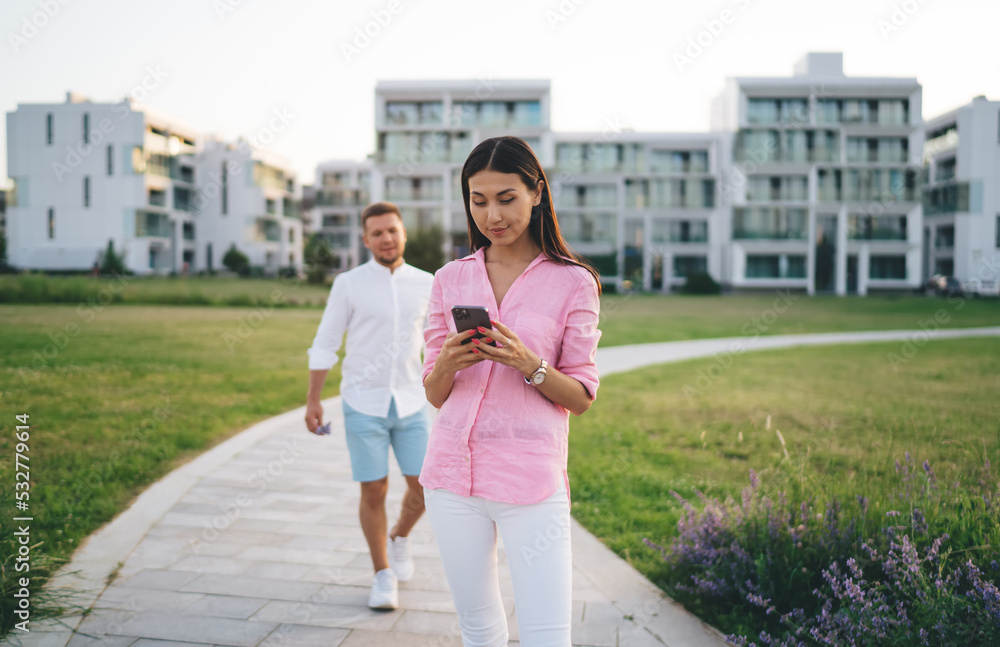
538	378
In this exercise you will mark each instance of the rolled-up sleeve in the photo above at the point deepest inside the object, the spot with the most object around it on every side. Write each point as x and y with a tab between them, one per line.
579	343
330	334
437	327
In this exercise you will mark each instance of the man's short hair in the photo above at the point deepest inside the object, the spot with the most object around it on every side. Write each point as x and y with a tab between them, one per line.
378	209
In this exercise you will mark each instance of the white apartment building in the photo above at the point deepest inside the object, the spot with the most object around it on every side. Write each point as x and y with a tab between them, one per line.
85	173
342	191
642	207
426	129
823	180
247	200
962	195
639	206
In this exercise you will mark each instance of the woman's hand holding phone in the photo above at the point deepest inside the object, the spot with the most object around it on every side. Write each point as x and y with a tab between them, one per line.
510	350
456	353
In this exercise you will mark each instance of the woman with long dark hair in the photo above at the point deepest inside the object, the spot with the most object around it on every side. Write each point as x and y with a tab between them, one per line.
496	458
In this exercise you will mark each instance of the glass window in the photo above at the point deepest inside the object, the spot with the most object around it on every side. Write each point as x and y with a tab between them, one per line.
769	223
493	114
762	111
997	232
945	237
867	227
110	160
636	194
684	266
48	128
569	157
52	223
225	189
431	112
887	267
698	162
828	111
760	266
86	191
86	128
796	267
527	113
464	113
401	113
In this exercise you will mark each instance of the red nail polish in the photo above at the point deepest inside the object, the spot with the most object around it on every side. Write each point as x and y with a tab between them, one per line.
475	350
475	341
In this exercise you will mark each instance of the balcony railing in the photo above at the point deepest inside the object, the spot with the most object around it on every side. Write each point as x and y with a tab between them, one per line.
151	224
768	234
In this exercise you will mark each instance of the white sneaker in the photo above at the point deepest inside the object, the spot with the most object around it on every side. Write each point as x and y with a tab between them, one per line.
384	594
399	558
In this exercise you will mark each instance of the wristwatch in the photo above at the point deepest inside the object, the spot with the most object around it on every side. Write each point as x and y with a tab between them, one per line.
538	376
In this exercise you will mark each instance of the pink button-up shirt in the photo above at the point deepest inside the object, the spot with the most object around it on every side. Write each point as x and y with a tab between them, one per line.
495	436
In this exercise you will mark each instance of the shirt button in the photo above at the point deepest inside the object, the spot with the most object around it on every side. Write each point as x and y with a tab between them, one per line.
466	459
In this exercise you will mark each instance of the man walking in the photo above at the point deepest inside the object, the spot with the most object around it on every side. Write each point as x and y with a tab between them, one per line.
382	304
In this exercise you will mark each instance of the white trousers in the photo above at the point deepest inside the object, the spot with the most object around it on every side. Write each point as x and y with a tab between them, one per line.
537	541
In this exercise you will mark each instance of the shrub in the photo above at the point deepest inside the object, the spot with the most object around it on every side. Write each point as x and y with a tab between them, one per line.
750	565
111	262
236	261
319	259
700	283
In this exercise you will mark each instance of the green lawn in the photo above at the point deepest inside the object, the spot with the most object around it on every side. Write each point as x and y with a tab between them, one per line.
638	318
197	290
137	391
120	395
845	414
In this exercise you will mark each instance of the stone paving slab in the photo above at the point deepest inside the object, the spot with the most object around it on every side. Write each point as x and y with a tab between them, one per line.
257	542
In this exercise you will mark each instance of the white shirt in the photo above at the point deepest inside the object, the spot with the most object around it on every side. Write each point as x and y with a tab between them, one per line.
383	312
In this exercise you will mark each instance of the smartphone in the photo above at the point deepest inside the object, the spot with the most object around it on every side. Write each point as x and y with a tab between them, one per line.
467	317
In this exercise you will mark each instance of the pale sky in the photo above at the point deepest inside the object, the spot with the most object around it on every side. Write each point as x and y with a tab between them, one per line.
226	65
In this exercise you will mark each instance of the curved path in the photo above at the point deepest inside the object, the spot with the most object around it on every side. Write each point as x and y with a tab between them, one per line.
256	542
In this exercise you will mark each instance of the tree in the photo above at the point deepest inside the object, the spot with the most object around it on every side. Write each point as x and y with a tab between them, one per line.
236	261
3	249
424	248
319	259
111	262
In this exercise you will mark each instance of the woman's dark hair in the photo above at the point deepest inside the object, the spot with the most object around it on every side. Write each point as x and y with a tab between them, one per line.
513	155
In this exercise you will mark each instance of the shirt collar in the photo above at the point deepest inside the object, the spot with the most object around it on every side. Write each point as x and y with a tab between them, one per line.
378	267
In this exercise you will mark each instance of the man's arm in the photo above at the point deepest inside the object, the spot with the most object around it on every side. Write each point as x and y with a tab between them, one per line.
323	353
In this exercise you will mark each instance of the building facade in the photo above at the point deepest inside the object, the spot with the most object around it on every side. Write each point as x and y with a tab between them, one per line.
809	182
962	196
642	207
85	174
823	180
247	200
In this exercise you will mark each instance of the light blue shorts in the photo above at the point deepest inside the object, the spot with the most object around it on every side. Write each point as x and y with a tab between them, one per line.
369	437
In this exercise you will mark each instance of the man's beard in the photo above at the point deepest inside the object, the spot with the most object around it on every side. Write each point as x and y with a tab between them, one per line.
387	260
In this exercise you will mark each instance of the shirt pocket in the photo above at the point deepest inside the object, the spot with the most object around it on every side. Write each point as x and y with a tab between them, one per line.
539	332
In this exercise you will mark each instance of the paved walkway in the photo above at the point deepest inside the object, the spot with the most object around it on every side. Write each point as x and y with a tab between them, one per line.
256	542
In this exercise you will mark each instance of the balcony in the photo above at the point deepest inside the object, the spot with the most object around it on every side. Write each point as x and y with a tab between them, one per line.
149	224
330	197
264	229
950	197
876	228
